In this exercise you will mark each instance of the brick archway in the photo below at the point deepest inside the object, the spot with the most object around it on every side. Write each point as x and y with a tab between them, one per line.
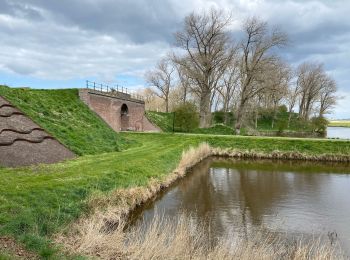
124	117
119	110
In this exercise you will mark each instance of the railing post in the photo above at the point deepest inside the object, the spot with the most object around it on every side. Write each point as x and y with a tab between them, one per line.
101	87
87	84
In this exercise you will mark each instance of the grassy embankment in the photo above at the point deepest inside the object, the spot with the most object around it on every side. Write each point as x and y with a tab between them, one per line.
340	123
62	114
36	202
165	122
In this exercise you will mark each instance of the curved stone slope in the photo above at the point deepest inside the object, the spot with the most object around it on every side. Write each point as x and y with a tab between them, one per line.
22	142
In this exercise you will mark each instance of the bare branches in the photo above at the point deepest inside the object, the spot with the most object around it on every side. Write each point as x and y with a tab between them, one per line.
255	60
208	52
162	79
242	75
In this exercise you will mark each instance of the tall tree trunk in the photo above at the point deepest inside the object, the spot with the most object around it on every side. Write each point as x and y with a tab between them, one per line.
166	105
239	118
184	95
273	117
225	111
301	107
307	111
289	118
204	109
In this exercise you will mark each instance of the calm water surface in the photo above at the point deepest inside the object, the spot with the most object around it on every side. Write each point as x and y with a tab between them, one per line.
236	197
338	132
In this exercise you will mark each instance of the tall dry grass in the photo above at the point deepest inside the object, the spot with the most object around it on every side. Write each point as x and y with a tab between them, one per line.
101	233
179	238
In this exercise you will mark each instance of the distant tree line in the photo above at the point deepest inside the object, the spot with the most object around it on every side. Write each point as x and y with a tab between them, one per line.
215	71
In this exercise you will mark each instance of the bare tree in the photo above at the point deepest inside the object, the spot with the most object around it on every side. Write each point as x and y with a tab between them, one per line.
152	101
277	86
184	82
309	80
229	86
327	98
162	79
206	42
292	96
257	43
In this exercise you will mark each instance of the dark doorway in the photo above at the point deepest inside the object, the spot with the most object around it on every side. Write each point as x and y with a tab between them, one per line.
124	113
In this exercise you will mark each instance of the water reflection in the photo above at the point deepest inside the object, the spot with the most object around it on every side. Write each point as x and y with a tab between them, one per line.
242	196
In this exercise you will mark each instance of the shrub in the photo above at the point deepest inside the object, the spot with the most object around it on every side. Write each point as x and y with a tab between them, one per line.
186	117
219	118
282	124
319	125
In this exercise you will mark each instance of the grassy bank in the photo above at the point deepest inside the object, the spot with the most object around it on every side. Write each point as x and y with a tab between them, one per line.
62	114
340	123
36	202
264	126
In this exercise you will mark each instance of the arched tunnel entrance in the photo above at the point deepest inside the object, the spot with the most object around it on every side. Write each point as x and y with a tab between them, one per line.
124	114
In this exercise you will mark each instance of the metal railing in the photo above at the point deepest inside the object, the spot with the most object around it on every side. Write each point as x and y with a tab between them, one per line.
116	90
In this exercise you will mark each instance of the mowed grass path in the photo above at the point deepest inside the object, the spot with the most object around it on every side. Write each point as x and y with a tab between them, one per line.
35	202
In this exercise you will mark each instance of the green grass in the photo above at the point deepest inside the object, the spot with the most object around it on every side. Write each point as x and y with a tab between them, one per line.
218	129
163	120
339	123
63	115
36	202
6	256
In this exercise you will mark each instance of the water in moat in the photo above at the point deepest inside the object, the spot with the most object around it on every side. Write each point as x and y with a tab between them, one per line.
338	132
236	197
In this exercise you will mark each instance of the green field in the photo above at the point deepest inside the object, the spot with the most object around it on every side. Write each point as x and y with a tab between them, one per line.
340	123
36	202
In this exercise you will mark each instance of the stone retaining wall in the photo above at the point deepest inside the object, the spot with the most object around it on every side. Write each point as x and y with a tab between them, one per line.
23	142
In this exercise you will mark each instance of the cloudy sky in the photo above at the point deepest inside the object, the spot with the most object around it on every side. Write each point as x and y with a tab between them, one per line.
60	44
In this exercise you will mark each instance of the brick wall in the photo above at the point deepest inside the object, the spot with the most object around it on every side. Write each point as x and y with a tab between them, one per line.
109	109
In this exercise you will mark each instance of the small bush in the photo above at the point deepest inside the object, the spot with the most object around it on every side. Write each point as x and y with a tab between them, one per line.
319	125
219	118
186	117
282	125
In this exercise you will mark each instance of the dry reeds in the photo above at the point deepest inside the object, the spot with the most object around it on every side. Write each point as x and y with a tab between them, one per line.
179	238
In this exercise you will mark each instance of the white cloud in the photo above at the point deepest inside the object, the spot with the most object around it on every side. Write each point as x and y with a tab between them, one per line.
47	50
71	39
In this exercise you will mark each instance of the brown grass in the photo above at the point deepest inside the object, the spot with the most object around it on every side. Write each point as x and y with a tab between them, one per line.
179	238
101	233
